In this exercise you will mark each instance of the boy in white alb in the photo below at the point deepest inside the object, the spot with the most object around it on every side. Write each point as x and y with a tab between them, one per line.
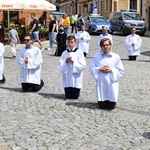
133	44
71	64
105	34
83	39
106	67
30	60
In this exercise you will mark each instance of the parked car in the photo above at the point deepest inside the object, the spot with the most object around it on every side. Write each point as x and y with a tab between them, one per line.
123	21
95	23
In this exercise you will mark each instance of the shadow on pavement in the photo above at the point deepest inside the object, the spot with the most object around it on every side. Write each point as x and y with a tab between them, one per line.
131	110
53	95
89	105
12	89
144	60
6	57
146	135
125	59
147	53
88	57
136	60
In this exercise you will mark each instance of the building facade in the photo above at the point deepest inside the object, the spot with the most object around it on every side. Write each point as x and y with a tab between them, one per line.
20	17
84	7
105	7
68	6
145	10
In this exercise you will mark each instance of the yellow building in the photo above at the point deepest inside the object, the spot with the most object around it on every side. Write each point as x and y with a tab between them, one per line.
107	6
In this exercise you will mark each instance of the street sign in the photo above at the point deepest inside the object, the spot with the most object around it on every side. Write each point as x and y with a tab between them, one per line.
94	5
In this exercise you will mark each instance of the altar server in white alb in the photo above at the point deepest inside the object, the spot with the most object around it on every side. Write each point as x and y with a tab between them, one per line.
133	44
83	39
105	34
30	59
106	67
72	64
2	78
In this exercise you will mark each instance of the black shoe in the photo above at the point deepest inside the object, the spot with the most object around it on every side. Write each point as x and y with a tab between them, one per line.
42	83
102	104
3	80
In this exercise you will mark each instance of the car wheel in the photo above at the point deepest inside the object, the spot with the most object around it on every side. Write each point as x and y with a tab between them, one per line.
142	34
122	31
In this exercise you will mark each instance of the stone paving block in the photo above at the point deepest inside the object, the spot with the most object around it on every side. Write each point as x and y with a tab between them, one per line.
45	120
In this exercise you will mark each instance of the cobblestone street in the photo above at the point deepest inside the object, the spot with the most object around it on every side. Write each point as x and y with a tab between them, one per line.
46	121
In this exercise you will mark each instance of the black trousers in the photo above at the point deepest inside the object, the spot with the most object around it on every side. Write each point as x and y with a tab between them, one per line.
72	93
132	58
74	26
32	87
106	104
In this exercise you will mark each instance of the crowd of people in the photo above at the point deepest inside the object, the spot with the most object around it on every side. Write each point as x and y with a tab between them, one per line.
106	66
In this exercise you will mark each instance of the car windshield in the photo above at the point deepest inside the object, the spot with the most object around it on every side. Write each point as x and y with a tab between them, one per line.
131	16
97	19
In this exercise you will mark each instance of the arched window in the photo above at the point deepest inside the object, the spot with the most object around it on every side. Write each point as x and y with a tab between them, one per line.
106	5
101	6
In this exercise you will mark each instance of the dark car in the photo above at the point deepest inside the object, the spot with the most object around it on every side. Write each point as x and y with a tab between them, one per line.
95	23
123	21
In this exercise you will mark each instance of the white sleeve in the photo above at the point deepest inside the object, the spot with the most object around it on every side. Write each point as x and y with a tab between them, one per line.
138	43
62	65
80	64
127	42
94	70
117	71
36	61
20	59
2	49
87	38
99	38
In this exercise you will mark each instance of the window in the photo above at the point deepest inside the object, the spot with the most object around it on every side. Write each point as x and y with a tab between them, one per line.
133	4
80	12
106	6
69	10
119	17
13	17
97	19
131	16
101	6
65	10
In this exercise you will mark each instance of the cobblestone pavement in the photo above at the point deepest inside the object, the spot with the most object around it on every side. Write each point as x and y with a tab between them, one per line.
46	121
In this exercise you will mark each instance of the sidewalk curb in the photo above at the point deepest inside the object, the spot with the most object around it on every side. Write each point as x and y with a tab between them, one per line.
21	45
